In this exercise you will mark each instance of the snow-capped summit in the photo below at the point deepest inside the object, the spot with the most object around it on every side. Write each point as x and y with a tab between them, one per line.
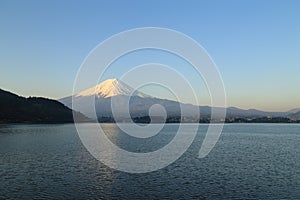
110	88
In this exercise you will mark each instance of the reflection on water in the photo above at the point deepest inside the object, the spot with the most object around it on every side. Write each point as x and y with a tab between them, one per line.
249	161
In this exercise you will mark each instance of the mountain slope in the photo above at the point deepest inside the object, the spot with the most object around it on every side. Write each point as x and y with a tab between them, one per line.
295	110
17	109
295	116
140	103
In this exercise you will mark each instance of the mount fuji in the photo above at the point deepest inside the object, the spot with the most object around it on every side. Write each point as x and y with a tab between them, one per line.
118	92
121	93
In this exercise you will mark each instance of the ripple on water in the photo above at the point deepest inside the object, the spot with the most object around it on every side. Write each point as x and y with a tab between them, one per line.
249	161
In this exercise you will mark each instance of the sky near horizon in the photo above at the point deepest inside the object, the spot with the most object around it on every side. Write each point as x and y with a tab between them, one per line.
255	44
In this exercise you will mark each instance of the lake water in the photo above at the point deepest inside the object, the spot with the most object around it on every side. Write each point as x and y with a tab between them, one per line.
250	161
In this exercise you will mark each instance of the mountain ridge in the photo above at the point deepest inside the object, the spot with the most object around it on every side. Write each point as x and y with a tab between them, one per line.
18	109
140	104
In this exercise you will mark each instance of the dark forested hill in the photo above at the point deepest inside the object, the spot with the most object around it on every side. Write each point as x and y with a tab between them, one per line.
17	109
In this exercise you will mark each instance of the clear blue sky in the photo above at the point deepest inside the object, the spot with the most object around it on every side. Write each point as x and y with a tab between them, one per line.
255	44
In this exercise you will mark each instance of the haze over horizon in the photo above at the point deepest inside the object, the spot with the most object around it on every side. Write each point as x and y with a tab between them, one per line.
255	45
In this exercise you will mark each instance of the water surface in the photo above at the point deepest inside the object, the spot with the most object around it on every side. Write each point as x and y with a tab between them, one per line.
252	161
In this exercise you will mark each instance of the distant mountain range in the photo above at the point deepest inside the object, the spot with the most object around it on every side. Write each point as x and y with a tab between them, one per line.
295	116
296	110
17	109
139	104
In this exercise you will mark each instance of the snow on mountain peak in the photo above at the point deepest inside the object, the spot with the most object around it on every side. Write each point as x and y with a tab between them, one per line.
110	88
